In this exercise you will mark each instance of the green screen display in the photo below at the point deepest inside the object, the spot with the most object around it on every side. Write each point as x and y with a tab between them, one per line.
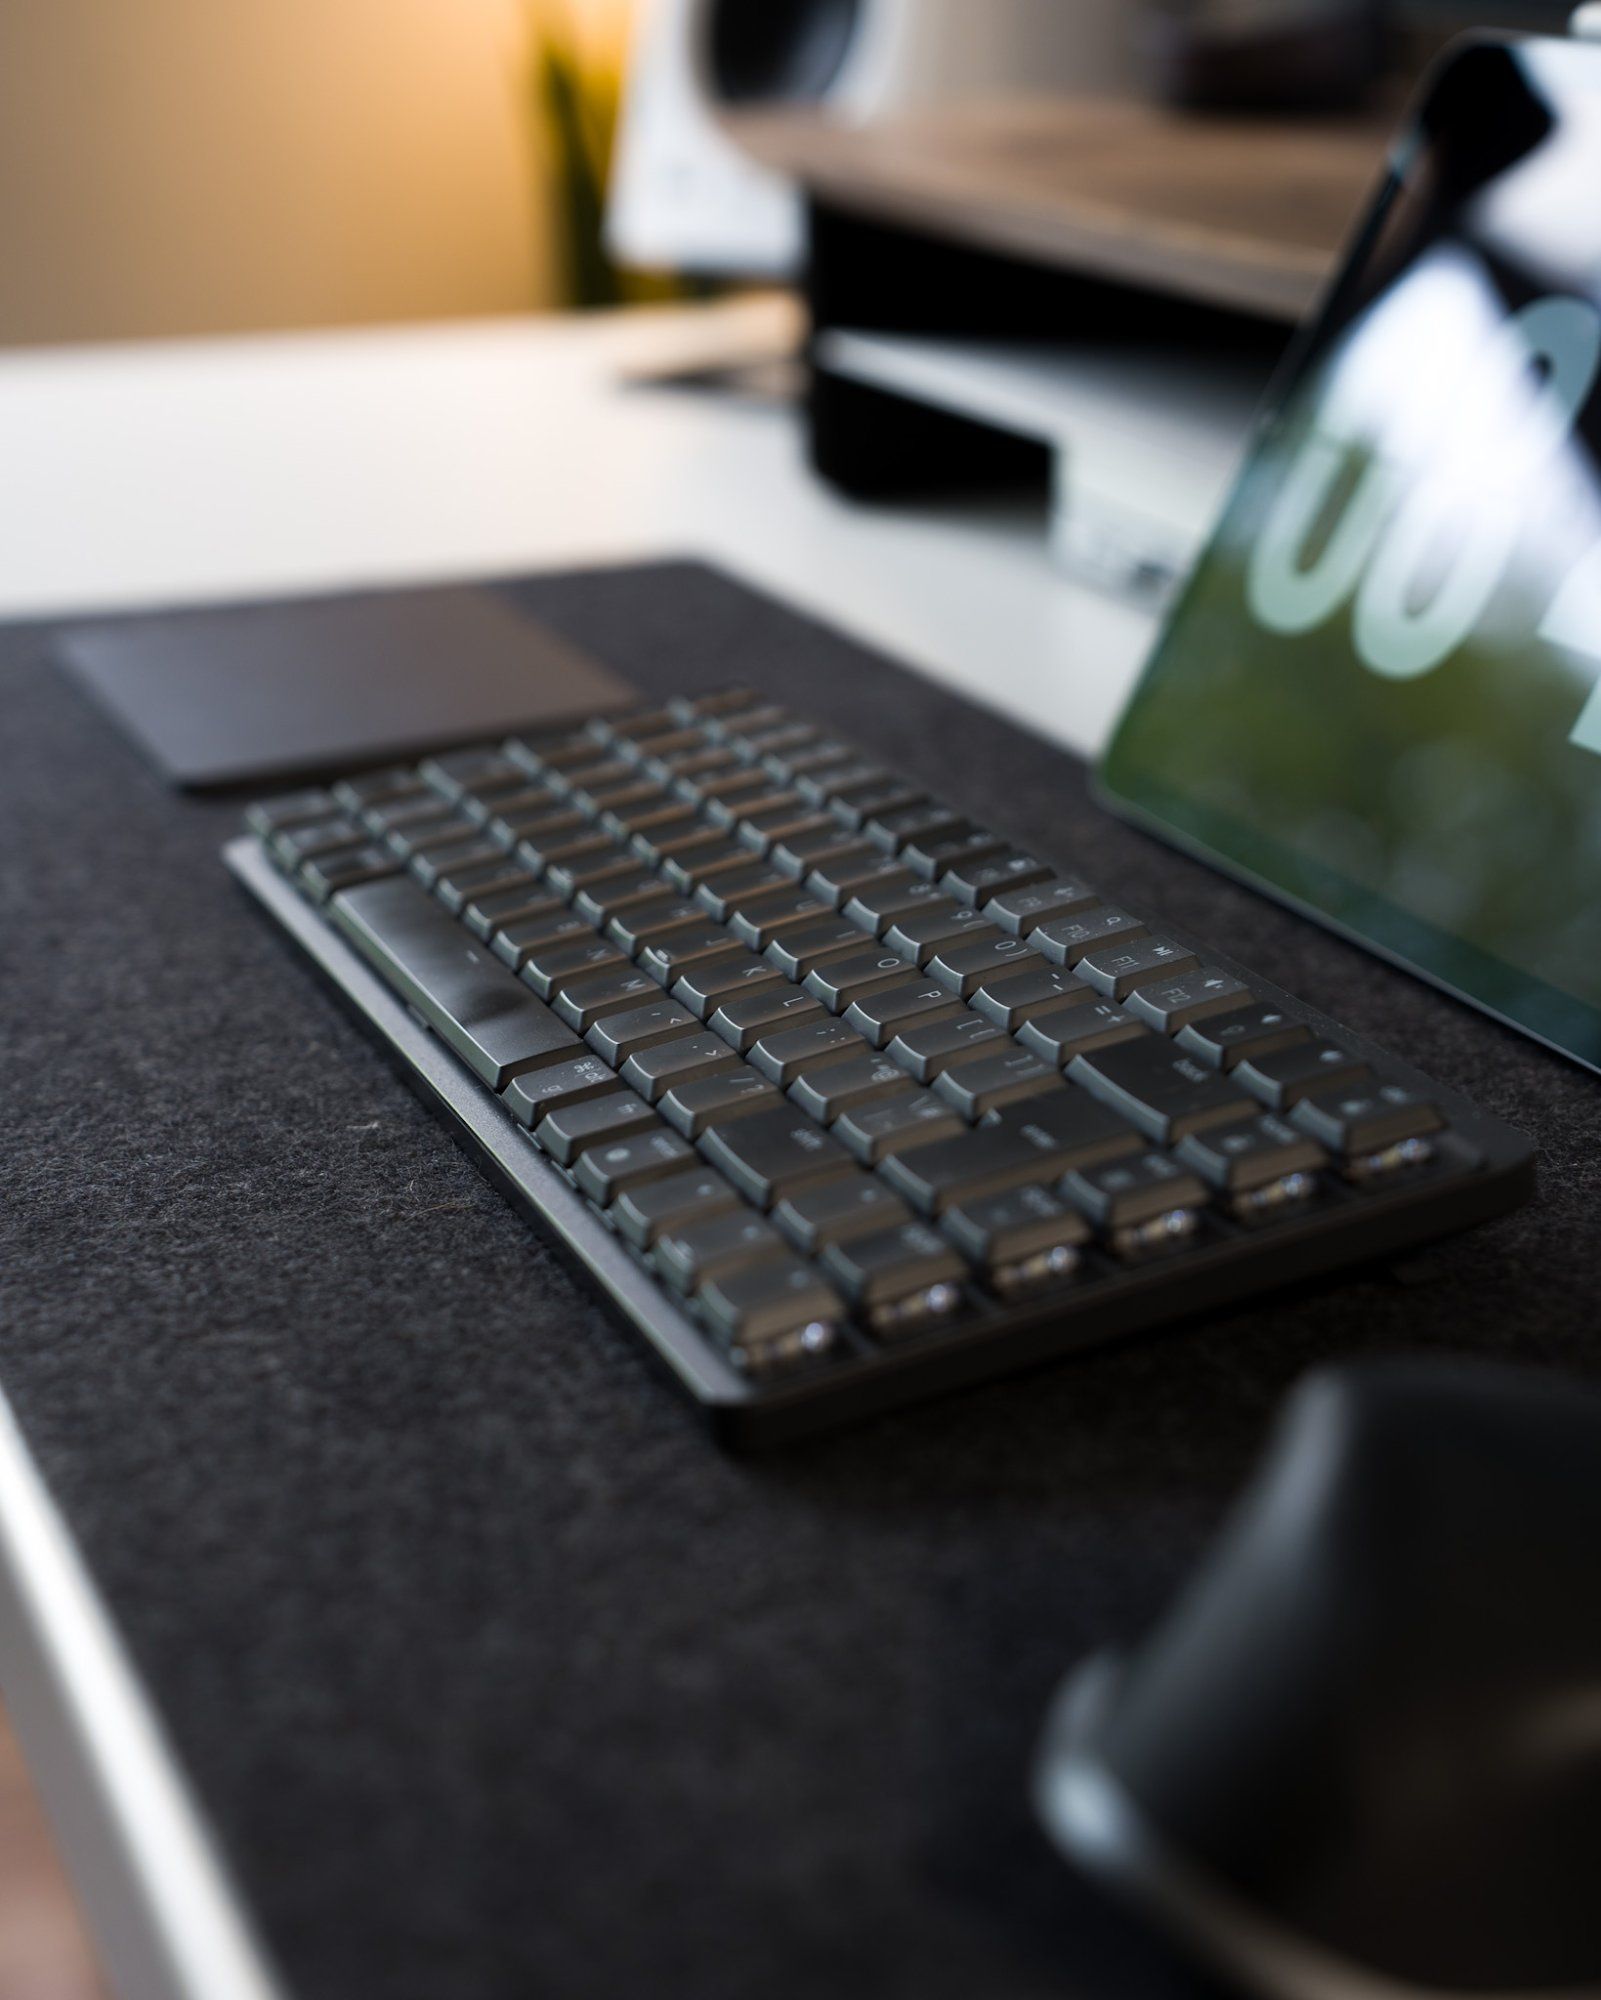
1380	692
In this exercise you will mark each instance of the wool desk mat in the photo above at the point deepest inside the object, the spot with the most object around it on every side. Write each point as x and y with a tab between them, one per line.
493	1676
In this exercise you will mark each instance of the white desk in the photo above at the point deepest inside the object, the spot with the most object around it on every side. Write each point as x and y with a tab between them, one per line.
214	469
158	474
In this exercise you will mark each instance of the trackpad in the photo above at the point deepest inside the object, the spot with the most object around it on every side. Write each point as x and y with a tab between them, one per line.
265	693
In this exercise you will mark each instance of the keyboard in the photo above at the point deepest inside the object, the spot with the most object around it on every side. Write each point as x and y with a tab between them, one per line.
842	1098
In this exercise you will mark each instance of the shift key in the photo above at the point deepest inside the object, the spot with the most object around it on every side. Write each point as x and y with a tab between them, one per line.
471	1002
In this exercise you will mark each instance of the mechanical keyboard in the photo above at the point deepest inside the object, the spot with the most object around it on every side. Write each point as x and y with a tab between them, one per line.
842	1098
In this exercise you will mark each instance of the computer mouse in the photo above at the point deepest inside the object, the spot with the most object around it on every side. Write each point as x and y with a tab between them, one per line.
1361	1753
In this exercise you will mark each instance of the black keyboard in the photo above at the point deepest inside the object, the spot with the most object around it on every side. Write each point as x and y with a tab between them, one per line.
843	1098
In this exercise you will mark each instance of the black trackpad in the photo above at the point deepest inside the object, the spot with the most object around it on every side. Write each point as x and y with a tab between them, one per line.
260	694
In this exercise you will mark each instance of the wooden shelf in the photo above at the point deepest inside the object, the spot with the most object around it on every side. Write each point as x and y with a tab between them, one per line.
1243	213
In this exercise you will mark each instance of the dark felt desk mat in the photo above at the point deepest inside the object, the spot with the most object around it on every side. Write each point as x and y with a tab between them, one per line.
495	1677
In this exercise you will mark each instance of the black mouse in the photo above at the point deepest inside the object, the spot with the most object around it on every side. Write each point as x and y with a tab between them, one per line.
1361	1755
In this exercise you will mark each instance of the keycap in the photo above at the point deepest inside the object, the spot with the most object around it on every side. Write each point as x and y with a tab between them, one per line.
1147	1203
1225	1039
892	829
763	827
1116	970
759	925
986	1083
894	892
963	968
484	915
635	1030
1019	910
869	795
529	1096
299	809
798	952
835	1210
589	1004
456	886
824	1093
542	928
618	895
376	788
576	782
744	1020
608	803
835	880
1374	1129
567	1131
1260	1165
1160	1089
751	888
697	855
889	1011
658	819
543	851
568	878
1016	997
1171	1004
975	881
688	1254
329	873
789	1053
823	757
802	852
558	750
1065	940
1019	1146
1309	1068
901	1279
685	1059
694	1108
928	1048
509	807
712	981
309	808
604	1171
719	792
482	770
1022	1240
724	701
431	864
642	1211
401	814
920	933
1060	1033
675	953
839	981
872	1132
474	1005
565	961
771	742
734	724
532	833
936	854
296	844
766	1155
653	922
773	1315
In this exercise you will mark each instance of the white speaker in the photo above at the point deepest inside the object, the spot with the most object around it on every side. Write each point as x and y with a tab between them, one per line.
683	196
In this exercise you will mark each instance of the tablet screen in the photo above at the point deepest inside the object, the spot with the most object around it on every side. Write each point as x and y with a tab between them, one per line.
1379	695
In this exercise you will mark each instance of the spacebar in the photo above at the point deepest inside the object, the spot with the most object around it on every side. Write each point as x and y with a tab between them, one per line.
468	998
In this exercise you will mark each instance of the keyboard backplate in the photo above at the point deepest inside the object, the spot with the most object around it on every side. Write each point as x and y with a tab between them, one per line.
750	1414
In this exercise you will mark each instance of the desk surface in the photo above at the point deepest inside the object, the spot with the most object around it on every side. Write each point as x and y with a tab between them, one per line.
247	468
748	1727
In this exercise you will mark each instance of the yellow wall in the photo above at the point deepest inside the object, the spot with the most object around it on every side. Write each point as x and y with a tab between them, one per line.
191	166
